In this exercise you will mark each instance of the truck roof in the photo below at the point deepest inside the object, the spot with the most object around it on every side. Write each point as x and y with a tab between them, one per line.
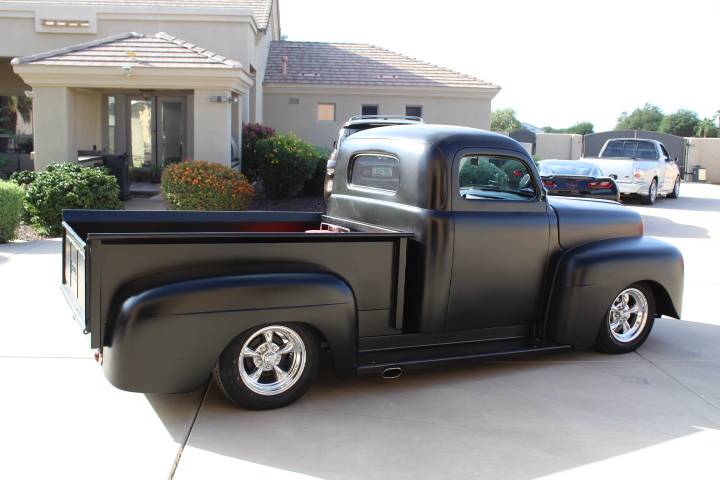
447	138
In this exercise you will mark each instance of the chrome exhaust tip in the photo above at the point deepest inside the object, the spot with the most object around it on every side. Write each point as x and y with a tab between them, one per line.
392	372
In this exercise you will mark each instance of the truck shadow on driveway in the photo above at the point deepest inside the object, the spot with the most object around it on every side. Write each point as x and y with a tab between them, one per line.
664	227
514	419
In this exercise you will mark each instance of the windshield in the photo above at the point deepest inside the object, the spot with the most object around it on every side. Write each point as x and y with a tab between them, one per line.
549	167
630	149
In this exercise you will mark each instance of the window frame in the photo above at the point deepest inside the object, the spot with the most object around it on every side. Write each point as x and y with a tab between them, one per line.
414	106
364	188
377	109
317	112
537	203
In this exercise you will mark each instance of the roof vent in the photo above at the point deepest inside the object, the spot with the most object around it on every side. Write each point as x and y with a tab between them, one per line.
311	75
389	77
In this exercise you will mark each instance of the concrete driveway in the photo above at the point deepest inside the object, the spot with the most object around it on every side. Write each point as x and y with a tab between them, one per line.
579	415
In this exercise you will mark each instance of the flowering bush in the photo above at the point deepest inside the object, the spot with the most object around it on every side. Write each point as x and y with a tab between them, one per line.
200	185
287	163
251	134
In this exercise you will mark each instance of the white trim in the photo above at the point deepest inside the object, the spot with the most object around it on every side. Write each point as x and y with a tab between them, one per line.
140	78
488	92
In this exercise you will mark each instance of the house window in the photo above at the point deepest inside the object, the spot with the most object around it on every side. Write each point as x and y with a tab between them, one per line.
413	110
326	112
369	110
112	121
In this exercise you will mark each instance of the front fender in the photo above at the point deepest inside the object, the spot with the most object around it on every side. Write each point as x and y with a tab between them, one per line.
167	339
589	277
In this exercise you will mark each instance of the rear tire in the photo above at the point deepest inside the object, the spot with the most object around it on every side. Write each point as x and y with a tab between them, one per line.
651	196
676	189
268	367
628	320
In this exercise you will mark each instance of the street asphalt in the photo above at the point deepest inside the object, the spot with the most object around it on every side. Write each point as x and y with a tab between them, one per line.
653	413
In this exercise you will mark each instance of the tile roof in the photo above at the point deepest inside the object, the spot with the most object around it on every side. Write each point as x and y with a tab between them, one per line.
260	8
160	51
357	64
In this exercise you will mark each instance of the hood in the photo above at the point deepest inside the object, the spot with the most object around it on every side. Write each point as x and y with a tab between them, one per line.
582	220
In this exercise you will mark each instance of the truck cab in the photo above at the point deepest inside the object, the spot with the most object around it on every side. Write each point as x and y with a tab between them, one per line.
439	246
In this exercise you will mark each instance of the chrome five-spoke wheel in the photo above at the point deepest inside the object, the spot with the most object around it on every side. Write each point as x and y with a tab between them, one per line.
628	320
628	315
268	366
272	360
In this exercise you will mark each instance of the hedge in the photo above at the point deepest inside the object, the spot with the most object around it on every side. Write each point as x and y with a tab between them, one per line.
287	163
11	209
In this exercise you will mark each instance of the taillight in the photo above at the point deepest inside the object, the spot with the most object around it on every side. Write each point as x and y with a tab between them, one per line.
600	185
549	183
638	174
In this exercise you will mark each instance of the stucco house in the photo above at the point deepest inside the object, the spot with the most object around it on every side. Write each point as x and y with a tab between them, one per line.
162	80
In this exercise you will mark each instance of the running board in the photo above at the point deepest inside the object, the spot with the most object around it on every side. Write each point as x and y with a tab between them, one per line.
375	362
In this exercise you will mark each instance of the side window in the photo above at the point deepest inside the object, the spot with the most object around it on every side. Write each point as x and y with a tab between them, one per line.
376	171
495	178
665	154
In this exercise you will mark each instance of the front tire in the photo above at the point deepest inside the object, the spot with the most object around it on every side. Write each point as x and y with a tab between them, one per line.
628	321
676	189
268	367
651	196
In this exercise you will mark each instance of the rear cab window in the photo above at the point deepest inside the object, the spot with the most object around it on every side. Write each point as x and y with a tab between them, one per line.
375	171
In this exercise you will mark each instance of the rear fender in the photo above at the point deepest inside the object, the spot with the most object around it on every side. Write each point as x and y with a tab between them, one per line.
167	339
589	277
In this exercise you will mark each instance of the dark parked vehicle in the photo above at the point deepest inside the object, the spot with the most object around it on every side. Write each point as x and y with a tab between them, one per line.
358	124
430	255
574	178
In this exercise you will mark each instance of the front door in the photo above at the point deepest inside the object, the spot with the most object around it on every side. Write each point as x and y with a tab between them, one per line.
171	130
157	131
501	245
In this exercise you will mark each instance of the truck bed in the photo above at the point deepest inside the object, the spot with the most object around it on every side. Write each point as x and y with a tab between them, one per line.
109	255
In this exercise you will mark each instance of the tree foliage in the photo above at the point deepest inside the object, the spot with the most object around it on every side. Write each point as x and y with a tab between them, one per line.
504	120
580	128
682	123
649	117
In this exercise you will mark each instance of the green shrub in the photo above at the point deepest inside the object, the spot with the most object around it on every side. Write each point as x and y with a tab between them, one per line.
509	168
287	163
252	133
23	177
483	173
200	185
314	186
68	185
11	208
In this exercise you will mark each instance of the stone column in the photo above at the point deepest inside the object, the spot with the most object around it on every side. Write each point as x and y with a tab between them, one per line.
53	126
212	126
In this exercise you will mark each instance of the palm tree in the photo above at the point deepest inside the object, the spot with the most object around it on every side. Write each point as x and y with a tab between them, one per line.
10	107
707	128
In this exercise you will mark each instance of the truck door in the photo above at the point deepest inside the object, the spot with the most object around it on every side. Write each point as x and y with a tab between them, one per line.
668	172
500	244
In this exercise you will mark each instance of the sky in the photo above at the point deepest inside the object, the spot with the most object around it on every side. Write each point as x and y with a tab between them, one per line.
558	62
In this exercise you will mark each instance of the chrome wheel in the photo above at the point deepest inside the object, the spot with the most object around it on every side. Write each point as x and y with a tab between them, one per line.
628	315
272	360
653	191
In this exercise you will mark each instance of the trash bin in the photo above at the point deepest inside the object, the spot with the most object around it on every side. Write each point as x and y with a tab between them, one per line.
119	166
699	173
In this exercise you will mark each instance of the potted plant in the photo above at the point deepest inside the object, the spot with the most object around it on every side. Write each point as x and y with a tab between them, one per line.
156	174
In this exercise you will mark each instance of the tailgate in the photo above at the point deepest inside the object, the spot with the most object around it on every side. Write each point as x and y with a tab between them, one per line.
621	169
74	275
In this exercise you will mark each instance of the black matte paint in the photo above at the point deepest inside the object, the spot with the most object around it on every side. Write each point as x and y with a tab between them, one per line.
424	277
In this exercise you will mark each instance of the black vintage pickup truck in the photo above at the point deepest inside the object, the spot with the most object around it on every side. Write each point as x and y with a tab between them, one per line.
439	246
